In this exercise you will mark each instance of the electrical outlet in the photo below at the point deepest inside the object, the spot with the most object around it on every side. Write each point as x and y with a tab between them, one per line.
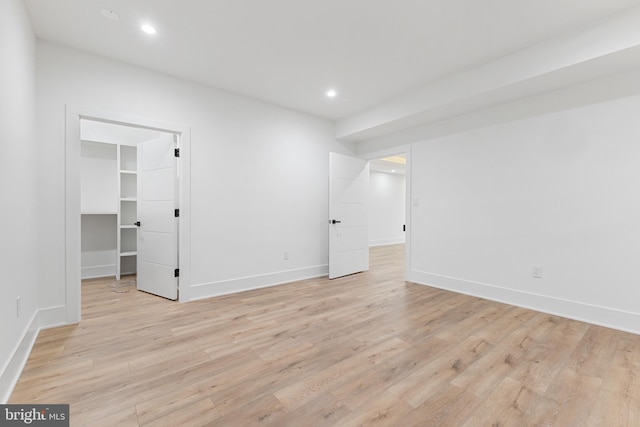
536	272
285	255
18	307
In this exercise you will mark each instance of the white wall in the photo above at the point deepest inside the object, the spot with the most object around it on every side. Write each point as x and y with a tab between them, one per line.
560	191
386	208
258	172
18	217
98	178
606	88
99	243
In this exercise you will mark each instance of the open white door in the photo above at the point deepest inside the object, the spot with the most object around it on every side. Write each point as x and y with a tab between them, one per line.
157	261
348	223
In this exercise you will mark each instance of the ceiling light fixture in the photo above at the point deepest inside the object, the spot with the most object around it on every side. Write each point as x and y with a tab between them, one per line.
149	29
108	13
331	93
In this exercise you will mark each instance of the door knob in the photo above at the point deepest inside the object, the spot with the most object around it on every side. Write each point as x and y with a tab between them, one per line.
137	223
334	221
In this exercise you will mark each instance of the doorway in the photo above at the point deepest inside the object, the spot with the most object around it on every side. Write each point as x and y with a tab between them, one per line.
75	117
389	195
367	208
387	200
127	204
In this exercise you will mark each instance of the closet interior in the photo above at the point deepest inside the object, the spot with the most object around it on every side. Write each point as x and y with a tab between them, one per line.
109	194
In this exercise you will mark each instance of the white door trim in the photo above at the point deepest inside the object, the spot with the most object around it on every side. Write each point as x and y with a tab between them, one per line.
73	114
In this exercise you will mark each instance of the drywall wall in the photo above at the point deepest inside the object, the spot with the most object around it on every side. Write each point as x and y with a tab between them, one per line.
606	88
98	178
386	208
18	191
580	54
258	172
98	245
558	191
99	206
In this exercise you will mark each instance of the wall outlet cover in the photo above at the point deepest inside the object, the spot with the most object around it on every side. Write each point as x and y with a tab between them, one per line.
536	272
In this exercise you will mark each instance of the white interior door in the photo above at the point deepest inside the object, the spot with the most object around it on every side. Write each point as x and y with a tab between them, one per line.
348	222
157	260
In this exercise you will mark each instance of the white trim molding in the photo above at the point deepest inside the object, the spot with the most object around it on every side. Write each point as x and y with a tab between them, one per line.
589	313
52	317
13	369
385	242
225	287
97	271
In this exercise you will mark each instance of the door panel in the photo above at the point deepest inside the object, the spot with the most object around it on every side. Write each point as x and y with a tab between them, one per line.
160	248
158	236
156	218
157	274
358	261
347	189
163	157
349	238
158	184
351	214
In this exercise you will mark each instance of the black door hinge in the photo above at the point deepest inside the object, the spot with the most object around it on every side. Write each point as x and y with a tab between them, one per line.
176	213
176	152
176	272
404	227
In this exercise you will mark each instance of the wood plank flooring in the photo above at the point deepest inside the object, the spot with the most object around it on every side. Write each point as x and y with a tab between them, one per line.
368	349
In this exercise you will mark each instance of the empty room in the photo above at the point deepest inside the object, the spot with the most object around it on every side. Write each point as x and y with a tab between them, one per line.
320	213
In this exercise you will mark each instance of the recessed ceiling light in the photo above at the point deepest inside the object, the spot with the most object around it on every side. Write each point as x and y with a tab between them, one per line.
108	13
149	29
331	93
393	171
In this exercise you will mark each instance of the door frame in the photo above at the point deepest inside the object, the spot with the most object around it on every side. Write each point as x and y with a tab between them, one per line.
73	115
406	149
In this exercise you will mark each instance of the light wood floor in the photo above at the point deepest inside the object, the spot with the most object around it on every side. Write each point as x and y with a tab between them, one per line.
368	349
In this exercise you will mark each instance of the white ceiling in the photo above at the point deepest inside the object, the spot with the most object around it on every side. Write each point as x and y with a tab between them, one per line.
289	52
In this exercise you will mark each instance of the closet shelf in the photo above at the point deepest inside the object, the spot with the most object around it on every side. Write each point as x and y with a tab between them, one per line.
109	187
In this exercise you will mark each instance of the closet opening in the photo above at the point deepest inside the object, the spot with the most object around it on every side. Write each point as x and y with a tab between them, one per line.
128	179
120	168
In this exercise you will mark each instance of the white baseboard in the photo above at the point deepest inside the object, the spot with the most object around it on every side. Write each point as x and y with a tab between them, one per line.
12	371
225	287
98	271
597	315
52	317
385	242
